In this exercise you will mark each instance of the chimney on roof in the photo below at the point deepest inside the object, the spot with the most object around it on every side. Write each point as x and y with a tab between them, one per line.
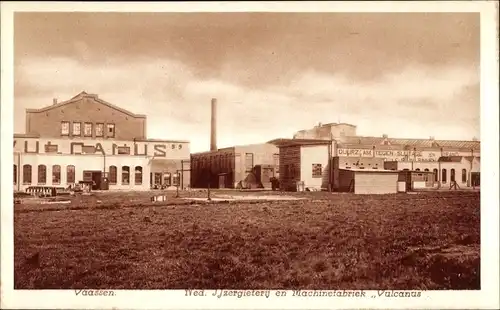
385	136
54	101
213	126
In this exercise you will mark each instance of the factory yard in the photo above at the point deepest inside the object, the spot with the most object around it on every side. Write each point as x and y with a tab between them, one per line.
325	241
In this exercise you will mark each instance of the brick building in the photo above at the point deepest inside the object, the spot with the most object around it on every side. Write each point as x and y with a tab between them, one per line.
248	166
86	138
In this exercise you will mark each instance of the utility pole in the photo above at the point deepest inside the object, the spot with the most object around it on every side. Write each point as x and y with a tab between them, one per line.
330	162
178	181
209	175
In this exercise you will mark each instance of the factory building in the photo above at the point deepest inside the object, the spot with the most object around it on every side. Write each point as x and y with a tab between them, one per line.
243	166
88	139
305	158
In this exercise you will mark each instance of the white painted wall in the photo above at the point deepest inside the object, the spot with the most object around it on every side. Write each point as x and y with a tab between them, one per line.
81	163
309	155
376	183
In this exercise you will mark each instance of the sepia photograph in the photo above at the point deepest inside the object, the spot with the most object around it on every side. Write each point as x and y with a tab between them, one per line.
229	154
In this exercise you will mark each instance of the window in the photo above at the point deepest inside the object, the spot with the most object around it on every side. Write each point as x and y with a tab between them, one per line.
452	175
176	179
418	169
42	174
138	175
110	130
316	170
157	178
426	169
15	174
248	162
112	174
464	176
27	174
99	130
87	130
435	171
167	179
77	129
70	174
443	176
64	128
56	174
125	175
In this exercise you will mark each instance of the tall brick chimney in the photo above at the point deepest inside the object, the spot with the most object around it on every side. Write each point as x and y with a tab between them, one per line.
213	126
54	101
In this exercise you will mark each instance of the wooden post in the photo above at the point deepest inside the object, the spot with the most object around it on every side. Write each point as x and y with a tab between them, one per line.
330	151
178	181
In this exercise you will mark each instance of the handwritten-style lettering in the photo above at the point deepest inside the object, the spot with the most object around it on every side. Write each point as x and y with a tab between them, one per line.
144	152
160	150
98	148
73	145
37	148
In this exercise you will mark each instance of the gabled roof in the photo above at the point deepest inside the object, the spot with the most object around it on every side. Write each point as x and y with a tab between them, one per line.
82	95
461	144
298	142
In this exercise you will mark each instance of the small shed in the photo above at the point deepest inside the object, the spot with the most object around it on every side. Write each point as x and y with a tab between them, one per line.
368	181
415	179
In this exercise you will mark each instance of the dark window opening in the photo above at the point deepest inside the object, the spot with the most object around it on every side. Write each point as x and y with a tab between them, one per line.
42	174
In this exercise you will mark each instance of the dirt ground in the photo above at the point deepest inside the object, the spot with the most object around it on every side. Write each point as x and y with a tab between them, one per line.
325	241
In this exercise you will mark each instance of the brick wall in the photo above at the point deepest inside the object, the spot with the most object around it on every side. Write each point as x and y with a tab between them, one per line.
289	167
47	123
222	161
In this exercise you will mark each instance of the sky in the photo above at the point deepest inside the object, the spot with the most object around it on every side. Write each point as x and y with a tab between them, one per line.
407	75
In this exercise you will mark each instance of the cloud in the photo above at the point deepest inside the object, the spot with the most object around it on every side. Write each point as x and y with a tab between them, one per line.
415	101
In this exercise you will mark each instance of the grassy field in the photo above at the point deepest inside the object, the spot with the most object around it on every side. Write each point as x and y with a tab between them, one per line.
328	241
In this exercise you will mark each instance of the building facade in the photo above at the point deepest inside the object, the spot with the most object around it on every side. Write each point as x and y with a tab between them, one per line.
312	148
88	139
246	166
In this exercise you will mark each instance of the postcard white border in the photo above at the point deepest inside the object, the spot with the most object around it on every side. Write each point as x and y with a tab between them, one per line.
487	297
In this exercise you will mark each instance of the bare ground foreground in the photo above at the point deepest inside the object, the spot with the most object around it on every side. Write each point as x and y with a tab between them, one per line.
327	241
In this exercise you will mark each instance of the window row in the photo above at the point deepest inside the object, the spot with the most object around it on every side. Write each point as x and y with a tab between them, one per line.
444	175
125	175
70	174
42	174
89	129
166	179
452	175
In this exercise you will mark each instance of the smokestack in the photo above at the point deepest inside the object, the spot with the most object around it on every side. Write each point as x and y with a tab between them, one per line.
213	126
54	101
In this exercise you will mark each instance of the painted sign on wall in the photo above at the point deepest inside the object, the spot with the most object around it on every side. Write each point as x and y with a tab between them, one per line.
69	147
355	152
400	155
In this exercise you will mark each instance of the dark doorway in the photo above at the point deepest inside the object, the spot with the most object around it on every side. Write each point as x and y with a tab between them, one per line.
95	176
475	178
